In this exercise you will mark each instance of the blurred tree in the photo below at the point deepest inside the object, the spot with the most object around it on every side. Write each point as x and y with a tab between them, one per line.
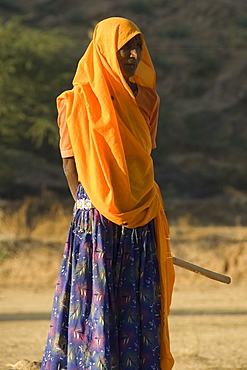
35	66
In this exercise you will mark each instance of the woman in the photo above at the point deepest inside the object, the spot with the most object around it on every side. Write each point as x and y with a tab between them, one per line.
107	311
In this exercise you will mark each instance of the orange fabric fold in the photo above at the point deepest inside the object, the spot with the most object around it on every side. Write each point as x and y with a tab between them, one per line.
112	145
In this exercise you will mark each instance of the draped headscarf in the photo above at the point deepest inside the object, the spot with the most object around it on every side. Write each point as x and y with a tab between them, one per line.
112	145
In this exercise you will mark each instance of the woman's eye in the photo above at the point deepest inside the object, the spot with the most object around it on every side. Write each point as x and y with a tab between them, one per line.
127	47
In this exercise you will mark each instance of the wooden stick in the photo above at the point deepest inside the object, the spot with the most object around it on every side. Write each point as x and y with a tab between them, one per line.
200	270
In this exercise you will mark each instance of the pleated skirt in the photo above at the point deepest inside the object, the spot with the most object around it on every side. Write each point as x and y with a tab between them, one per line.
106	310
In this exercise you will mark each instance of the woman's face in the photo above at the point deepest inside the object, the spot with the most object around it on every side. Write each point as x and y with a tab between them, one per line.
129	56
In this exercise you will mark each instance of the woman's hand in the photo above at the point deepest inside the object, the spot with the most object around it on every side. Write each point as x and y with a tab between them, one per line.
70	172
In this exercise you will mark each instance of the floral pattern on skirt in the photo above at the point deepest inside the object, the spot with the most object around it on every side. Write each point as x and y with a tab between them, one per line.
106	310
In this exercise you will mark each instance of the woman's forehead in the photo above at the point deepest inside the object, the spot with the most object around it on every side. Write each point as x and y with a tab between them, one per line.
136	38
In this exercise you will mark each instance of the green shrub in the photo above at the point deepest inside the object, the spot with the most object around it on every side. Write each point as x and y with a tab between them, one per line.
75	16
235	37
48	7
177	31
10	6
242	21
35	66
140	7
162	62
205	62
195	86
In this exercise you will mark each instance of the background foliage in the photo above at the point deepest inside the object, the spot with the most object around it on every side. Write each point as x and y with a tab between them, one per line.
199	52
36	66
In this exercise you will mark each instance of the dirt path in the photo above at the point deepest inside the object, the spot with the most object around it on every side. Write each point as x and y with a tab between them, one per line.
208	325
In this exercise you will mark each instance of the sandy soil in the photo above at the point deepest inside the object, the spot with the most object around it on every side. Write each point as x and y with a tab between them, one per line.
208	321
208	325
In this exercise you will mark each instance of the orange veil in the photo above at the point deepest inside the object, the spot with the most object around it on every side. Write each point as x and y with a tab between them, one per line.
112	145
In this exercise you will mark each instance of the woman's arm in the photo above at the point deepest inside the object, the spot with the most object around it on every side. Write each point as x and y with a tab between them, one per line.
70	172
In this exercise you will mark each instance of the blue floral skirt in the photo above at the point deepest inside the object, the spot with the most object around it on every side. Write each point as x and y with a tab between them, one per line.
106	310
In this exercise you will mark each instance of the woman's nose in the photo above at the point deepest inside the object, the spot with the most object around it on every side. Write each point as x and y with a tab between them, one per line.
134	53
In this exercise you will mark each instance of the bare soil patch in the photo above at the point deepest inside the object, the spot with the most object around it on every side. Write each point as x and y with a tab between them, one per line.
208	325
208	321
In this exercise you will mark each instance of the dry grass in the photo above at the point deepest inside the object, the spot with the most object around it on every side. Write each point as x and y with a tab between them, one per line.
25	365
223	249
207	321
34	232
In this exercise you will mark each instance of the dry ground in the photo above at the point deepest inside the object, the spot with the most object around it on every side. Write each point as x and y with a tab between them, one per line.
208	325
208	321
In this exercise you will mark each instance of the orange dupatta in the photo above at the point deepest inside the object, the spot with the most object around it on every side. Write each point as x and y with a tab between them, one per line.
112	145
